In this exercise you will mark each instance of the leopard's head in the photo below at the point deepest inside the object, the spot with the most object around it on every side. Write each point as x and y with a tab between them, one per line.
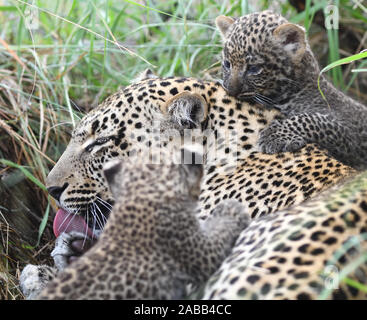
130	123
265	58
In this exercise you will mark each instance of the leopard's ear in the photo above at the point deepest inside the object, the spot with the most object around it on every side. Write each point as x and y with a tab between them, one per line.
186	109
146	74
293	39
223	23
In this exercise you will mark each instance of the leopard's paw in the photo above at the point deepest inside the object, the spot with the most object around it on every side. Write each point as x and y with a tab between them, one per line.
231	211
34	278
69	246
276	138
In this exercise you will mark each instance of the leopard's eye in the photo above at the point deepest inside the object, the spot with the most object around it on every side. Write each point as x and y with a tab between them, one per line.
254	70
97	142
226	64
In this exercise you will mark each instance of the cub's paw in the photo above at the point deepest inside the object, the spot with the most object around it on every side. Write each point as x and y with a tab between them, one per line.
277	138
69	247
34	278
233	212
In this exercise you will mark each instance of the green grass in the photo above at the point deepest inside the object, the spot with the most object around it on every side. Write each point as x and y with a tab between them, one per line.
351	268
332	66
82	51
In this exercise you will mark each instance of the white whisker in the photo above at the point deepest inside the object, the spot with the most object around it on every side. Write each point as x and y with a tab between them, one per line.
94	222
105	203
72	218
104	219
292	82
86	228
264	100
99	222
63	221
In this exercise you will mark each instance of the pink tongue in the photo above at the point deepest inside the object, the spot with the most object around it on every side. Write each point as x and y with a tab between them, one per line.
66	222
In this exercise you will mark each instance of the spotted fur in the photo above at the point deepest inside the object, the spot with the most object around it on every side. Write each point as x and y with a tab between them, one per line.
144	116
301	252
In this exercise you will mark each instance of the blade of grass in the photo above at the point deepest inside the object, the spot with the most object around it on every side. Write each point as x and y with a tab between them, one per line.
333	39
355	57
355	284
8	8
17	136
308	17
351	267
355	73
298	18
88	30
91	45
60	75
41	227
12	53
29	175
43	223
153	9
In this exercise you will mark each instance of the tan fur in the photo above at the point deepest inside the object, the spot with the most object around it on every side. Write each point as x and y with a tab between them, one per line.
223	23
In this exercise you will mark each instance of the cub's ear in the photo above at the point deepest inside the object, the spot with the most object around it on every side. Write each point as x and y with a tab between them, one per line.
111	172
186	109
292	38
223	23
146	74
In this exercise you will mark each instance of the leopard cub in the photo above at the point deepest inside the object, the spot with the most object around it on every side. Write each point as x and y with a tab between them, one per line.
153	245
268	60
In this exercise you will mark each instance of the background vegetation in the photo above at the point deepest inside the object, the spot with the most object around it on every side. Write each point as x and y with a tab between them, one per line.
59	59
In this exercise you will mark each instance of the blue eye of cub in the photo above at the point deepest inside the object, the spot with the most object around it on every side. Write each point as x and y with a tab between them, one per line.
226	64
254	70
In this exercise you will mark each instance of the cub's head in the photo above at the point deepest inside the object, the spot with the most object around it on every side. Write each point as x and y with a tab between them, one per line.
128	124
264	58
176	177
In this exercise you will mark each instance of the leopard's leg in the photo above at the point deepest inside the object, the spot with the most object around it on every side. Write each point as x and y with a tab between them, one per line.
206	244
338	137
34	278
68	247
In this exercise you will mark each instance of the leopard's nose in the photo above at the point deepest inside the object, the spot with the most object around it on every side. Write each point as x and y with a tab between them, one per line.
56	191
233	86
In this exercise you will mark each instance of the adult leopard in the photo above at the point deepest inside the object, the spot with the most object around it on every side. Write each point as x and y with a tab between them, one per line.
158	113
